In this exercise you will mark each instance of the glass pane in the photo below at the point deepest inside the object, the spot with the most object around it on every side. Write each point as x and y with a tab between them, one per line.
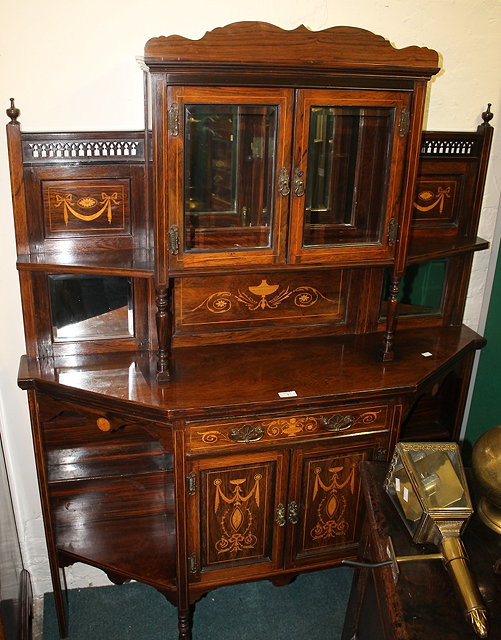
87	307
421	289
439	475
348	166
229	170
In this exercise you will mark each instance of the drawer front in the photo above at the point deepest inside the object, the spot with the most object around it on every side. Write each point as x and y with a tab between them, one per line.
344	421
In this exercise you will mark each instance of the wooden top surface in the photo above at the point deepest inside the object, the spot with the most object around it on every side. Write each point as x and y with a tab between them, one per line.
260	43
234	378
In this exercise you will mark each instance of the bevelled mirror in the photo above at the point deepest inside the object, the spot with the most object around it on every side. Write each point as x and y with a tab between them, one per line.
90	307
348	169
229	163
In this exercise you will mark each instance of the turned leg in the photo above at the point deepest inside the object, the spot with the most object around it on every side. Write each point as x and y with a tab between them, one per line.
164	330
391	320
184	623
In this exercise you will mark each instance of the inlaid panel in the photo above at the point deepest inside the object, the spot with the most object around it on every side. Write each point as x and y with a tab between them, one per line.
237	514
86	207
437	199
331	489
251	300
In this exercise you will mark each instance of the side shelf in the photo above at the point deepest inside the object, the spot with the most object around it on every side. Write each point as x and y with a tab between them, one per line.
110	487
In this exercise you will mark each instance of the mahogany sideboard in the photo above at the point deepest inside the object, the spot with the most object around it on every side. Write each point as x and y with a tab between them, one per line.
211	305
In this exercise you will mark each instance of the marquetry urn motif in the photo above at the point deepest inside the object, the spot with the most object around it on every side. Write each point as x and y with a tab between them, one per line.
237	510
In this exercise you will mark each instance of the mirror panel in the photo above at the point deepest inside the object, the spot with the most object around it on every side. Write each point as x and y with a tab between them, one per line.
347	175
421	289
229	164
90	307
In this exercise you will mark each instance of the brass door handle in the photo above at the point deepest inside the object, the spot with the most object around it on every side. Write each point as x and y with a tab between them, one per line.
337	422
293	512
298	183
283	182
280	515
246	433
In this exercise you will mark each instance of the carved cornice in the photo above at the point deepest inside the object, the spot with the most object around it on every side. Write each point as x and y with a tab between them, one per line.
258	43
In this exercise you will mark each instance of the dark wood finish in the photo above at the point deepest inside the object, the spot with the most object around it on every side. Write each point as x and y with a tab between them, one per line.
421	604
227	448
258	43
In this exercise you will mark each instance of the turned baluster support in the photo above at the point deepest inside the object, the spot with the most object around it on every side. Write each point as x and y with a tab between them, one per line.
164	330
391	320
184	623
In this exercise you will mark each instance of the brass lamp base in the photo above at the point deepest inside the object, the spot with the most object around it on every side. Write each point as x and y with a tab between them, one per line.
489	514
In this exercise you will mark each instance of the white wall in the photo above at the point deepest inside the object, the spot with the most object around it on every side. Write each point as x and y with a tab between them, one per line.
71	66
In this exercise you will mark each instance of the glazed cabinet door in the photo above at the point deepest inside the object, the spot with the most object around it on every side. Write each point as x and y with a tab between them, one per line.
228	157
236	512
324	498
346	177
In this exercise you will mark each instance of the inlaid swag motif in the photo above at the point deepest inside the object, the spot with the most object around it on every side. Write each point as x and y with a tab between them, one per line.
86	203
86	206
236	519
331	506
437	199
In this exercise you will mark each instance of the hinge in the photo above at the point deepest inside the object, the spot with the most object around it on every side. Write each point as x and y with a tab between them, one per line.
392	231
191	483
404	122
174	240
174	119
192	563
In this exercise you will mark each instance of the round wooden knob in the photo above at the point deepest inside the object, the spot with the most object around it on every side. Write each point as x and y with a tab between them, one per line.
103	424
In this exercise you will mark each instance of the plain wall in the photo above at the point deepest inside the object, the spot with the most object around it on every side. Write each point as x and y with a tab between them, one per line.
71	66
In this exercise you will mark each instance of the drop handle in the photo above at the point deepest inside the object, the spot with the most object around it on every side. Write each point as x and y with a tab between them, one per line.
246	433
337	422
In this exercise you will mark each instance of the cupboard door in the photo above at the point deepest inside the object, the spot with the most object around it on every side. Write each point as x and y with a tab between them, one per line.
229	161
236	515
346	178
325	498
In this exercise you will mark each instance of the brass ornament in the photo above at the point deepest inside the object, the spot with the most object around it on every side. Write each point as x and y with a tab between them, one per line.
486	463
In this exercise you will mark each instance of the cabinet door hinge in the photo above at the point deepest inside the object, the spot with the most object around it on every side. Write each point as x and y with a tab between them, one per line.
392	231
192	563
173	119
174	240
404	122
191	483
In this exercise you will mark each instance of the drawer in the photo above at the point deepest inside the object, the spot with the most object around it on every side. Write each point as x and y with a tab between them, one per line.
343	421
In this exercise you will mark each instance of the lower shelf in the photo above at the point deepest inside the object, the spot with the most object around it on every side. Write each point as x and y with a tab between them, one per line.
136	548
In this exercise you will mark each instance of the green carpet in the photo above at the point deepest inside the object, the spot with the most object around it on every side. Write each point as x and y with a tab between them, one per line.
312	607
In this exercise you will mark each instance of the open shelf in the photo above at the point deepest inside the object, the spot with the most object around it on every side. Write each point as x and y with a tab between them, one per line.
127	262
431	248
77	450
141	548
